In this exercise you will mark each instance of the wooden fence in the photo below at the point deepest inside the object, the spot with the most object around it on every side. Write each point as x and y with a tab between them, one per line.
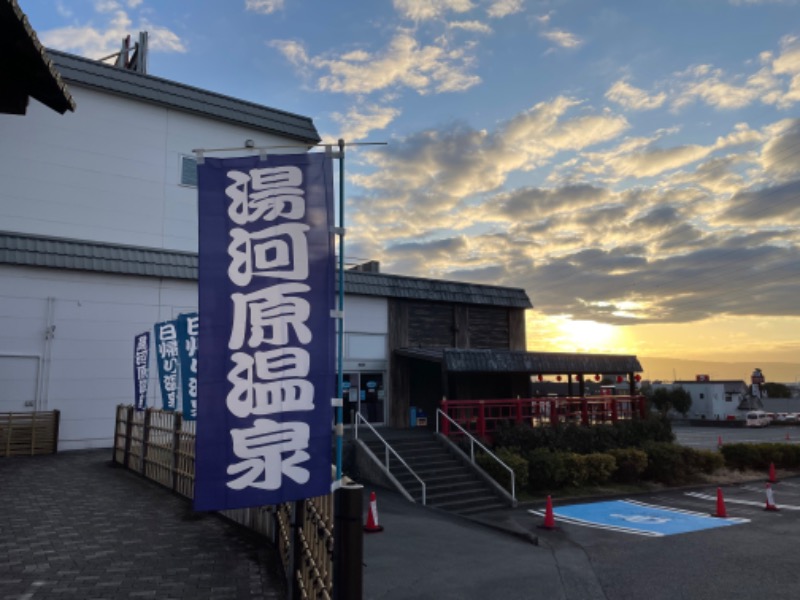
29	433
160	446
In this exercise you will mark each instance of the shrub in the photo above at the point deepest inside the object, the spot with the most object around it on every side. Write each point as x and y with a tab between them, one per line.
599	467
547	470
666	463
759	456
516	462
577	469
631	463
585	440
741	456
705	461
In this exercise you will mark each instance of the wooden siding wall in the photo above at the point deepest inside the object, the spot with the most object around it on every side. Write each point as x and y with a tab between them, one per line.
440	325
431	324
488	327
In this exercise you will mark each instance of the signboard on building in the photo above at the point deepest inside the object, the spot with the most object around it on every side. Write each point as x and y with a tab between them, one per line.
266	367
702	378
141	370
166	345
188	330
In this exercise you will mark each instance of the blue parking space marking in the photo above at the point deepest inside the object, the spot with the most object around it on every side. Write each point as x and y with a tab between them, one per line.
630	516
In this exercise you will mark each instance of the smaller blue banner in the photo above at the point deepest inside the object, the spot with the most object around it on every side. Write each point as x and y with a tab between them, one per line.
188	329
635	516
141	371
166	342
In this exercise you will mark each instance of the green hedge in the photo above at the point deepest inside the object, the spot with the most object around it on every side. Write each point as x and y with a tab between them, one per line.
760	456
631	463
585	440
516	462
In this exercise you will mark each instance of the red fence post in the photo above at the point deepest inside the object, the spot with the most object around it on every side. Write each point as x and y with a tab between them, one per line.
481	420
614	410
584	411
553	413
445	422
642	406
518	419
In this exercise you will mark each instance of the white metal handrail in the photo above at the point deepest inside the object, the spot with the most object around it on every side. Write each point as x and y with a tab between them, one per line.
472	441
388	448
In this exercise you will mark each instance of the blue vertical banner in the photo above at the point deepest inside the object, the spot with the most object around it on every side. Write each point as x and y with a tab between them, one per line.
187	350
141	369
267	288
166	347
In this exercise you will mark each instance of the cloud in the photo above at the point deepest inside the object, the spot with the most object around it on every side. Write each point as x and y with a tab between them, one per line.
63	10
264	7
502	8
709	240
780	154
562	38
457	161
712	87
642	157
778	204
360	121
403	64
473	26
634	98
93	42
424	10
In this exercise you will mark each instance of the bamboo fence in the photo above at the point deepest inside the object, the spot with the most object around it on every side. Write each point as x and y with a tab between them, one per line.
29	433
160	446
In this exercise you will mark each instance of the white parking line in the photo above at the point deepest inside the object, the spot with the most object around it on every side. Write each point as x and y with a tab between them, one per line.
686	512
737	501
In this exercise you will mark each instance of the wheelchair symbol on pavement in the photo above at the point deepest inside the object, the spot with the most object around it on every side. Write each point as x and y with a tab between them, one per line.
641	519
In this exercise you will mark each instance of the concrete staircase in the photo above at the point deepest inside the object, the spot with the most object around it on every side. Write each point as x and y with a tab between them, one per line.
451	484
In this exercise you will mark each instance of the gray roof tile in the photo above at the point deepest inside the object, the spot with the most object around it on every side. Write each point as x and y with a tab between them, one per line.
42	251
131	84
505	361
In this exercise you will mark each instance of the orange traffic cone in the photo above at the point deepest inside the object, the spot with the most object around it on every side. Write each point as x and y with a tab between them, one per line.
719	441
721	512
372	525
549	519
772	478
770	499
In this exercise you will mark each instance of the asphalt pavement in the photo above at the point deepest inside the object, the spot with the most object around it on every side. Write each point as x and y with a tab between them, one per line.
72	526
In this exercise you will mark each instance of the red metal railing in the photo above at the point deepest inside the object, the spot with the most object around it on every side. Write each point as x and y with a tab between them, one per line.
483	417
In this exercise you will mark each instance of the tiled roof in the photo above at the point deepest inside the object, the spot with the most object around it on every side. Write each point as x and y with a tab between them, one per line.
396	286
131	84
513	361
25	69
60	253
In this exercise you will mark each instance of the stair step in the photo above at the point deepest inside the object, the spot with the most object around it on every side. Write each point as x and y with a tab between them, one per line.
449	483
470	504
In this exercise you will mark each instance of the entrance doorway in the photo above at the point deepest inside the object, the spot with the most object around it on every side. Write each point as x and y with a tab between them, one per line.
363	392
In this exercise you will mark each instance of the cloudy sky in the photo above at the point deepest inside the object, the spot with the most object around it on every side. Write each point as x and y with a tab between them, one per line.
635	166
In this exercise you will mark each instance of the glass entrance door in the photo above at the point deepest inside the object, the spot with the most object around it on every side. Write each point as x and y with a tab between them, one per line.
372	397
363	392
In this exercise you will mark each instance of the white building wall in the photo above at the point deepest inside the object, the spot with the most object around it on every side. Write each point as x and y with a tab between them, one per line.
366	329
108	172
88	368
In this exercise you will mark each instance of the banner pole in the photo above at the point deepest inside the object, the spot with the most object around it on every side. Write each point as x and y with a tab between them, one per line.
340	332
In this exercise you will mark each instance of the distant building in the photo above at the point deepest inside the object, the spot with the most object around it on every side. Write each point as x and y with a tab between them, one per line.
717	400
